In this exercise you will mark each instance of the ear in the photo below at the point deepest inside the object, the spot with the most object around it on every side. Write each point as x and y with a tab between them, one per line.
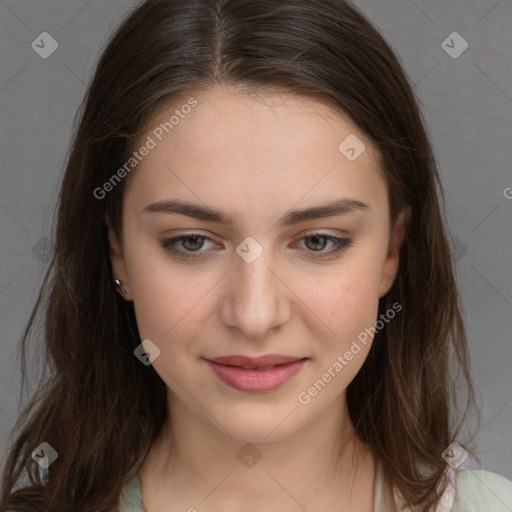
392	262
117	260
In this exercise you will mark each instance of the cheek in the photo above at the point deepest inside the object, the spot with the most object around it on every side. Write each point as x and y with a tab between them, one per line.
167	299
353	307
349	302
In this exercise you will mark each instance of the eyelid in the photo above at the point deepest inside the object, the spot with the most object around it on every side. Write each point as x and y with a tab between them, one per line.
188	234
302	234
340	242
324	232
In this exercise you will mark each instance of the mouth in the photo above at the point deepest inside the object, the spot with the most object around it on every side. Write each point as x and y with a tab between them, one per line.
256	375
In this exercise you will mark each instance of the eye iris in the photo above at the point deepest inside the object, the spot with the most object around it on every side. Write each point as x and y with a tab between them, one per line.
316	237
196	238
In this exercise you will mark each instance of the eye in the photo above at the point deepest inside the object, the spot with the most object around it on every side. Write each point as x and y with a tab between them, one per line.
317	242
191	242
188	247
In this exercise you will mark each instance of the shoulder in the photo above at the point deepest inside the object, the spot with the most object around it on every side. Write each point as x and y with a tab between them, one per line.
479	490
131	500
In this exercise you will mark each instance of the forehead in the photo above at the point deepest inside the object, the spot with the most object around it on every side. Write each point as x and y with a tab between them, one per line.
241	148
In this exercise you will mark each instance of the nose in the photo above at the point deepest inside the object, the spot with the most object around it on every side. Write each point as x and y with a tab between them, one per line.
256	300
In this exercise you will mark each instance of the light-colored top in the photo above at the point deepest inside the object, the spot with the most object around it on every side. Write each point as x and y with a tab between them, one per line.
469	490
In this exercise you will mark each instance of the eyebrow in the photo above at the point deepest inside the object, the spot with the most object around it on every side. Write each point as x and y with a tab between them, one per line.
179	207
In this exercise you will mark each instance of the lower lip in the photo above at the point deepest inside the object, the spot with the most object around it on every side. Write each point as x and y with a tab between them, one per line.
255	381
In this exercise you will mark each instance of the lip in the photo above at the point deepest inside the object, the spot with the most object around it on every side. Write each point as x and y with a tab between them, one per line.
264	360
230	369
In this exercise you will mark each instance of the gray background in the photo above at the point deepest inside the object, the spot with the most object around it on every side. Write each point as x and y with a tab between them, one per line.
466	101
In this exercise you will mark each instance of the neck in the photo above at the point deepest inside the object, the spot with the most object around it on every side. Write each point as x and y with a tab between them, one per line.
324	455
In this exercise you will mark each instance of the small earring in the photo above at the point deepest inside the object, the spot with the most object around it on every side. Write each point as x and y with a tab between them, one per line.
119	286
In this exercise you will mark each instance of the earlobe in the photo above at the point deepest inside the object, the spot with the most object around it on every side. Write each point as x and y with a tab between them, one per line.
392	262
119	271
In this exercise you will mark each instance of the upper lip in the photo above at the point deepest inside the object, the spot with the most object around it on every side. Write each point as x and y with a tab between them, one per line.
264	360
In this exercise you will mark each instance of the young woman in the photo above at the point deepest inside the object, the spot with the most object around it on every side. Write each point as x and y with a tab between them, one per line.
252	304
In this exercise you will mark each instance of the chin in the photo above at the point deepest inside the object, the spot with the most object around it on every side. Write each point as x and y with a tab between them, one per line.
257	423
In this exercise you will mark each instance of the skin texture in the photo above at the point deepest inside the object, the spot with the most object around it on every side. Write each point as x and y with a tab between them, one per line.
256	157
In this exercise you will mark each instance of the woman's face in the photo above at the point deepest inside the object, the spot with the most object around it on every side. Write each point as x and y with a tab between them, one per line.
292	263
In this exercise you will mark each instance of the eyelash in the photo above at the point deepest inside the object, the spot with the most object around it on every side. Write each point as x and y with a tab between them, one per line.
169	245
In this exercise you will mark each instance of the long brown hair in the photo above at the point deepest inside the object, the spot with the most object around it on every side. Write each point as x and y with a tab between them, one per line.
96	404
